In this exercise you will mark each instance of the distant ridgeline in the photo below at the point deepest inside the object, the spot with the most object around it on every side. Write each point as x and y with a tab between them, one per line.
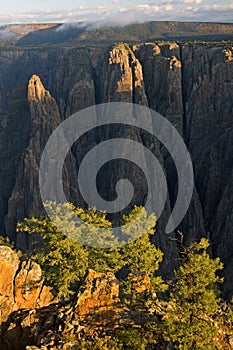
82	34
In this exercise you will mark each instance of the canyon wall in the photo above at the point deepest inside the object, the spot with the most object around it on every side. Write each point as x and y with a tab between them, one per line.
190	84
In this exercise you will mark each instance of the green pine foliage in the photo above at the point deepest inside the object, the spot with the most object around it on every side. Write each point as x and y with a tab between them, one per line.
106	259
65	256
5	241
63	260
194	300
131	339
105	343
83	226
193	317
141	255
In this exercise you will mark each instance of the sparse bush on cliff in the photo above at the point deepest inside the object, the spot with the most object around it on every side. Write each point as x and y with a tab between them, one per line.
5	241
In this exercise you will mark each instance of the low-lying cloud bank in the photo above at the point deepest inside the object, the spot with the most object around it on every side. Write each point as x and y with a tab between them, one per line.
6	34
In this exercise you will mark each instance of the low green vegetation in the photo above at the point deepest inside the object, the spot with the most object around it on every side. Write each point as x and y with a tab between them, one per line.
5	241
192	314
194	300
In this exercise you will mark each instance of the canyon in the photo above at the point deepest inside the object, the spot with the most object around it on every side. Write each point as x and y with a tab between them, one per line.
190	84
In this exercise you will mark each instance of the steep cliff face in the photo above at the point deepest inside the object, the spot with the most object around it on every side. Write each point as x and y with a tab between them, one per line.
44	118
209	110
190	84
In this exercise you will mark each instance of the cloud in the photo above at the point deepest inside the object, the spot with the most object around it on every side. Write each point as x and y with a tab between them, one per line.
6	34
195	2
82	13
138	13
132	11
211	13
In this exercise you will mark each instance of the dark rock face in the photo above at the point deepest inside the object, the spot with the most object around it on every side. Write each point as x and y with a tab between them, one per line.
190	84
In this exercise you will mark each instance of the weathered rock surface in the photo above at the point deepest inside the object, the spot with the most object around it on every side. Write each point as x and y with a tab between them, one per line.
190	84
96	311
100	291
21	285
96	307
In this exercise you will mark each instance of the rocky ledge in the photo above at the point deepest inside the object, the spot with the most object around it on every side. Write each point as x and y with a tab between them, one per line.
31	318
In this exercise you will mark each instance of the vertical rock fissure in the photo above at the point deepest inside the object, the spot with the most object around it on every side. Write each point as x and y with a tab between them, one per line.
40	294
132	66
183	96
14	281
97	90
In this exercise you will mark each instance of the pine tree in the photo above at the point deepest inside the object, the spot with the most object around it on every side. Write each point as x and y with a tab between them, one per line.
107	257
65	254
194	300
140	255
63	260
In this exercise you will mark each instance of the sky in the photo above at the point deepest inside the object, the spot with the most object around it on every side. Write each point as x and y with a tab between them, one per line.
114	11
